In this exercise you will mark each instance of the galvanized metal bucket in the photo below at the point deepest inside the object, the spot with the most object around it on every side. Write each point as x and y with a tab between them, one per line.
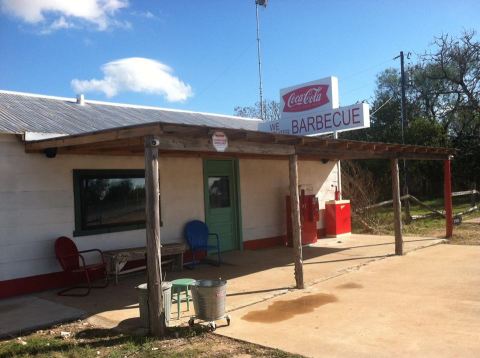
143	302
209	299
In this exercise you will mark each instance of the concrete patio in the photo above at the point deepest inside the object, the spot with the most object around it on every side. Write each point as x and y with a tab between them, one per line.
425	304
253	277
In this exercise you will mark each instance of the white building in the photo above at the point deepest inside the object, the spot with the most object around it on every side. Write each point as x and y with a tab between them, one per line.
50	192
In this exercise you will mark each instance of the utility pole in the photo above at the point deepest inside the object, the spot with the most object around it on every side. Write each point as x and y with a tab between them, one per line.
408	217
262	107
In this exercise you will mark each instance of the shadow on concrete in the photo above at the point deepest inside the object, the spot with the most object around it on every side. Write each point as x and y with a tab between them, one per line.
350	259
124	298
243	263
253	276
389	243
258	291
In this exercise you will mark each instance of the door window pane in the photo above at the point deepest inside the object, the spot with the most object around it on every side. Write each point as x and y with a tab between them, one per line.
219	192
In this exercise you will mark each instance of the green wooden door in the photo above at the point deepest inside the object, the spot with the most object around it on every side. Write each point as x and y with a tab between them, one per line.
221	204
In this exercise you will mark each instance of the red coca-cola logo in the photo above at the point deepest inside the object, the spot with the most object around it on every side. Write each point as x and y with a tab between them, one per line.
304	98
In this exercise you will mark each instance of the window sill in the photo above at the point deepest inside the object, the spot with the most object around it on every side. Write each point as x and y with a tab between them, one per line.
108	230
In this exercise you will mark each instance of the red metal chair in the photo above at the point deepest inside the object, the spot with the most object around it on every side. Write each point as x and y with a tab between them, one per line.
73	262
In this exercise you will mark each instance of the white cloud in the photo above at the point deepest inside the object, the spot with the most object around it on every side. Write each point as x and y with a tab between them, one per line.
61	23
136	74
61	13
144	14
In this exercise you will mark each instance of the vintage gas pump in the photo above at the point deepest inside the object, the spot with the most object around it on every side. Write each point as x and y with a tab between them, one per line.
309	216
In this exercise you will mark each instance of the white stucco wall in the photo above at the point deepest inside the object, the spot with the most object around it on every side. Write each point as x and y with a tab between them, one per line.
264	185
37	202
37	205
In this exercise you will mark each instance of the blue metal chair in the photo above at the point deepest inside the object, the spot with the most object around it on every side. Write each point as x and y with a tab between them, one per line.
197	235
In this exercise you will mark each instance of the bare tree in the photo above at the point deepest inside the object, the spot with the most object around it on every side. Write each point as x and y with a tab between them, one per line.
360	186
272	110
455	67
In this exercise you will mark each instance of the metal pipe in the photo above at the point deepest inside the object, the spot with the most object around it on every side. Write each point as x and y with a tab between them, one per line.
339	172
262	109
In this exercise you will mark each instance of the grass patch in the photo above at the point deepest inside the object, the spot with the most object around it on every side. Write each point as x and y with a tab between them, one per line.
95	342
463	234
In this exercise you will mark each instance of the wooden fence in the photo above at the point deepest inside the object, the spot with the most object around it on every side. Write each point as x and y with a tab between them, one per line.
433	212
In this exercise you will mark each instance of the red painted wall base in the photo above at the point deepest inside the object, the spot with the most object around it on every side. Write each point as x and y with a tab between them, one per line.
188	257
24	285
322	233
264	243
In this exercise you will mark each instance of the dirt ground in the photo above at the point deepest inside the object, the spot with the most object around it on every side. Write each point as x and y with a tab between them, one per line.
81	339
467	233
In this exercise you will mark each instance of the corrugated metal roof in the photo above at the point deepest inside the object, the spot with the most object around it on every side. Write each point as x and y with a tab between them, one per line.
23	112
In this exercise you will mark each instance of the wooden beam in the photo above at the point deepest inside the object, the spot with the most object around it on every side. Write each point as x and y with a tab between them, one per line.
189	144
296	225
115	145
96	137
156	313
366	154
121	143
241	148
103	152
204	145
286	139
237	135
448	198
340	145
397	207
197	138
259	137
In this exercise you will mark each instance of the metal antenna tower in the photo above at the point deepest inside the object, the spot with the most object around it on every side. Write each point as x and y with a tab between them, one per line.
262	107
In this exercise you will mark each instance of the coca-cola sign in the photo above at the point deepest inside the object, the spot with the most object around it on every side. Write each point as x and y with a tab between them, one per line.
305	98
313	108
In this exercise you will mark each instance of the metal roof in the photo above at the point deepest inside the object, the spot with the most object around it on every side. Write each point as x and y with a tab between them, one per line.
24	112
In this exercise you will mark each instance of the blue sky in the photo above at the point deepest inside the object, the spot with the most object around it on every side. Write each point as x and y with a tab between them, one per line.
201	55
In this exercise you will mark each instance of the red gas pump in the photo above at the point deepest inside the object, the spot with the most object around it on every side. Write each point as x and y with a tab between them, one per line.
309	216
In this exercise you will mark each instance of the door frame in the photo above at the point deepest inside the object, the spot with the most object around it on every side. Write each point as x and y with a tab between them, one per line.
236	196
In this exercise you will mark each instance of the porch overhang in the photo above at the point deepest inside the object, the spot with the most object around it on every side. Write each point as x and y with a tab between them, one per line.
183	139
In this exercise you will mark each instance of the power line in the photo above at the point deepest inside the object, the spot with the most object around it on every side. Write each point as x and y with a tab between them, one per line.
366	69
383	104
225	70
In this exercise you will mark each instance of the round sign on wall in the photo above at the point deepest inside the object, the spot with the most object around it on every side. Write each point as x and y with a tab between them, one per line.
219	141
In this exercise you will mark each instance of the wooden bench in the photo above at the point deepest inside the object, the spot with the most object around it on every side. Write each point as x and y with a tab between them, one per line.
117	259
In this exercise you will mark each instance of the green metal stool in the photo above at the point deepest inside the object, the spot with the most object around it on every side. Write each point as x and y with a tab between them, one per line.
179	286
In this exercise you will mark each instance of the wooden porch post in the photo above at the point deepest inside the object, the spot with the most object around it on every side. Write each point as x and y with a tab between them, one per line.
152	214
397	207
448	198
296	229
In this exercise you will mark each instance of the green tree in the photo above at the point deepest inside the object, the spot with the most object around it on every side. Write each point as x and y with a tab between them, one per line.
443	97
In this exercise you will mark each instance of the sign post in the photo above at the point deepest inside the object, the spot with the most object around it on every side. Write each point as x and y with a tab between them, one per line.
311	109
